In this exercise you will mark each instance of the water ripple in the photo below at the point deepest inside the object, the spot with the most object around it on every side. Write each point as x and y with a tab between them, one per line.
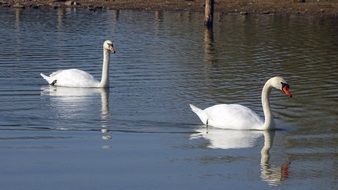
162	65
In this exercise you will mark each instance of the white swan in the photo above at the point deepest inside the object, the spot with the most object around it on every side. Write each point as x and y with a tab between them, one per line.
235	116
79	78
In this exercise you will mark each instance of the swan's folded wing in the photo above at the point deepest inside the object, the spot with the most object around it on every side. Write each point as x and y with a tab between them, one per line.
74	78
55	73
233	116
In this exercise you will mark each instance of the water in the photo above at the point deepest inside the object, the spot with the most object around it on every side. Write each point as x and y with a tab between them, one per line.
141	134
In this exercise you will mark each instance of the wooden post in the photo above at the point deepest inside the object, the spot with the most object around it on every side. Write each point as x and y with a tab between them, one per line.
209	13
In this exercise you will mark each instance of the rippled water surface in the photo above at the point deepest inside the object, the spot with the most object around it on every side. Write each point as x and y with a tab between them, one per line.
140	133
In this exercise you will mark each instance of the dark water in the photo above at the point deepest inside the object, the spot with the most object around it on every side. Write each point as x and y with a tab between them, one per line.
140	134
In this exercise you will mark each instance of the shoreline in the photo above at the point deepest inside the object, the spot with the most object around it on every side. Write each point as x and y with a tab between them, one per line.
292	7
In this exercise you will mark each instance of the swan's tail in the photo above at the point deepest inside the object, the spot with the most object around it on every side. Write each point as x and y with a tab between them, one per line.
47	78
200	113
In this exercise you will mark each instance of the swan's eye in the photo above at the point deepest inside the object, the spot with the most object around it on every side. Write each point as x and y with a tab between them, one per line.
285	85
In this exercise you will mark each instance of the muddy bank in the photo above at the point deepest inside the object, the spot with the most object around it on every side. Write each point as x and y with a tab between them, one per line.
299	7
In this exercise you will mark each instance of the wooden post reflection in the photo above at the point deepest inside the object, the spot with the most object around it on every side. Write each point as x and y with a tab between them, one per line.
17	17
158	21
60	17
208	45
116	15
158	15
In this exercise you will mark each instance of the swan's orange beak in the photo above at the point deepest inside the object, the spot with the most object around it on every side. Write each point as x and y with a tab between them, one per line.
286	90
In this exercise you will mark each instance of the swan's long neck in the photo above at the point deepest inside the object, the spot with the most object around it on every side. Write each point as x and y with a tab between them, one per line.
105	69
268	122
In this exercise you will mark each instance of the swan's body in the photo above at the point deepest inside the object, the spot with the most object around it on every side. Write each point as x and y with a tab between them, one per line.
235	116
229	116
79	78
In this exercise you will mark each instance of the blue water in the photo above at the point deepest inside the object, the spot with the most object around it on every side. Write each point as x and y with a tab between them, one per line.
140	133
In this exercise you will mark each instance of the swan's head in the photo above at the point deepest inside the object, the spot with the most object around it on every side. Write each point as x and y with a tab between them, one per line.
281	84
108	45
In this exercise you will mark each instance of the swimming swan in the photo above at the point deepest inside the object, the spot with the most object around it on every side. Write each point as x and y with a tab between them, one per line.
235	116
79	78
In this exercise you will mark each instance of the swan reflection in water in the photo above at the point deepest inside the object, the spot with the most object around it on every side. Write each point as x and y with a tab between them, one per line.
70	101
237	139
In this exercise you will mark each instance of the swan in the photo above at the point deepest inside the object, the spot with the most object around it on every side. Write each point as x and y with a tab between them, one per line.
79	78
235	116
